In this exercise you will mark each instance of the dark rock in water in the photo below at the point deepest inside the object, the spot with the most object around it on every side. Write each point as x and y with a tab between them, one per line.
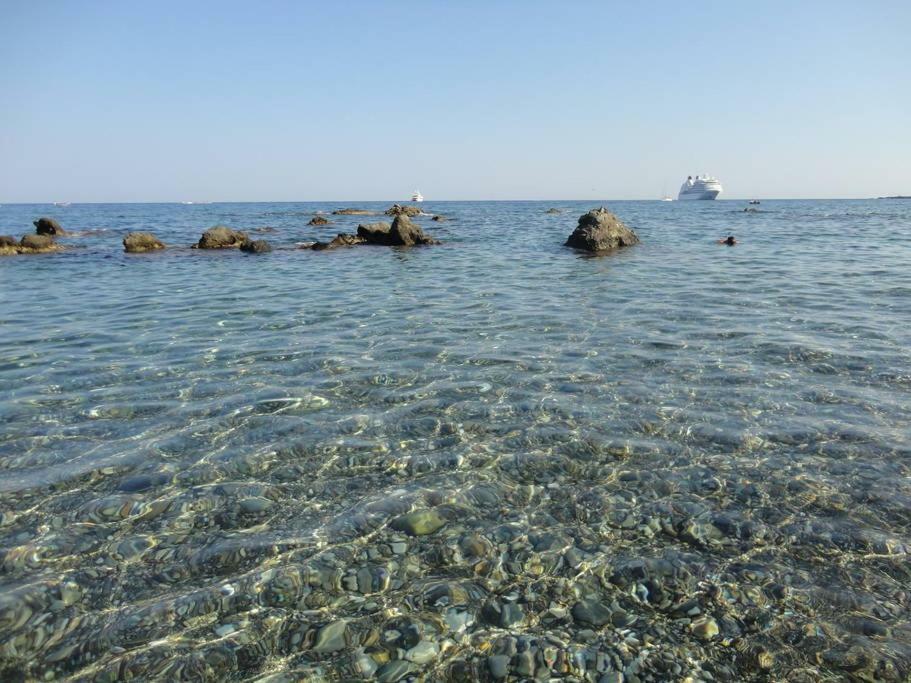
600	230
255	246
8	241
37	244
318	220
48	226
439	218
341	240
352	212
399	210
591	611
553	211
221	237
374	233
137	242
406	233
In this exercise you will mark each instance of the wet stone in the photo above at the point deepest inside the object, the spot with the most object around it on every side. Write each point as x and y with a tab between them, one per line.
419	523
591	611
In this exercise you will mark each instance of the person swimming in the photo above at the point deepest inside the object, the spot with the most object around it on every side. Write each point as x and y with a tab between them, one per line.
729	240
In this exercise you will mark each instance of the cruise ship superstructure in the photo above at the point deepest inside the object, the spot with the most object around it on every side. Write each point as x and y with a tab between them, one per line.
700	187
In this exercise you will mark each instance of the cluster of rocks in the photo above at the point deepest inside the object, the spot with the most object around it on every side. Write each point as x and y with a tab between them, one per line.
402	233
598	231
399	210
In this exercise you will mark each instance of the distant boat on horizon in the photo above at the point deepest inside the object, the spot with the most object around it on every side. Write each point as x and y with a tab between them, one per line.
61	203
702	187
667	198
416	196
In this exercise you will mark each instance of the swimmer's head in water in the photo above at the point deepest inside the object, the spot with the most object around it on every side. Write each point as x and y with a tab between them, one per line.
730	240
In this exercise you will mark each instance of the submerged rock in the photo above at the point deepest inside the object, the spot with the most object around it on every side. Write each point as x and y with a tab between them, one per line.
439	218
255	246
343	239
137	242
399	210
600	230
318	220
221	237
553	211
374	233
419	522
48	226
353	212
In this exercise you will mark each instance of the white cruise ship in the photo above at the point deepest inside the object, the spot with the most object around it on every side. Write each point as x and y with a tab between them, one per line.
700	187
416	196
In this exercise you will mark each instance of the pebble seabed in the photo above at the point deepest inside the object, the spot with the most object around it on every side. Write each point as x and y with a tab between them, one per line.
484	529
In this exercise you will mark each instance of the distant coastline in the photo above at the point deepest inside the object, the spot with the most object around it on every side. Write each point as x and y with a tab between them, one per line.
897	196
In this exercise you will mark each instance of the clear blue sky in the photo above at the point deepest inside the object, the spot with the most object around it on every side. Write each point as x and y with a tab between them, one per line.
170	101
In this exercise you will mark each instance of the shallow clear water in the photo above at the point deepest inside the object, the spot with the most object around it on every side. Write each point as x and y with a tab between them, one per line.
681	459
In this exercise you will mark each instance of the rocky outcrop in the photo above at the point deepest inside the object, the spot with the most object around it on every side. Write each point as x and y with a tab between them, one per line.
353	212
439	218
37	244
255	246
599	230
553	211
8	241
138	242
341	240
318	220
374	233
221	237
403	232
399	210
48	226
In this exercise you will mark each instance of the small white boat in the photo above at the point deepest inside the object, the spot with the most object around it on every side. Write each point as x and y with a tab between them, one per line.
416	196
61	203
665	198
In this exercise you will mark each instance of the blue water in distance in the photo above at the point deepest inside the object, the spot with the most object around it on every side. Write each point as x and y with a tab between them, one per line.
208	459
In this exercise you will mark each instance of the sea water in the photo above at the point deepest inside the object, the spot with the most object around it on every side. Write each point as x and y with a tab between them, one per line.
496	457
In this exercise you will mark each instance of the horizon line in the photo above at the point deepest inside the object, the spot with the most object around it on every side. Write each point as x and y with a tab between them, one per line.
355	201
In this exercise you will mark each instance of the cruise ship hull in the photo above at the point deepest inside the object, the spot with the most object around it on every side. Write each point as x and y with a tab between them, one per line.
704	194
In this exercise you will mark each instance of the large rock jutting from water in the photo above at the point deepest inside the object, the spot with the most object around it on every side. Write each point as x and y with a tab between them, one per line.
37	244
600	230
255	246
48	226
139	242
399	210
318	220
403	233
221	237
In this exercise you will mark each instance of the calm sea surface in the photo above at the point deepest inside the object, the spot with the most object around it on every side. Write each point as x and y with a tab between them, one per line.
491	458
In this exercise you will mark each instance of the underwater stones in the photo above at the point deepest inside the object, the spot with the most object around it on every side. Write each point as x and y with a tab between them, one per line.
503	614
599	230
331	637
498	665
591	611
48	226
221	237
422	653
419	522
318	220
255	246
398	210
393	671
138	242
705	628
255	505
